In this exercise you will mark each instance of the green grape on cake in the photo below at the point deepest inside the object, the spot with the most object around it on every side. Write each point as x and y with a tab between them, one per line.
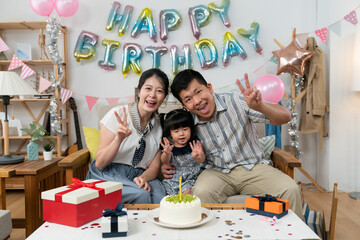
184	198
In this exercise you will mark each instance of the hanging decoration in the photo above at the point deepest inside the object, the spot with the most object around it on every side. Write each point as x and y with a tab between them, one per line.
66	8
221	11
231	47
199	17
170	20
292	58
156	53
206	45
177	60
145	23
122	19
322	34
132	54
85	46
271	87
53	29
110	46
42	7
3	46
252	35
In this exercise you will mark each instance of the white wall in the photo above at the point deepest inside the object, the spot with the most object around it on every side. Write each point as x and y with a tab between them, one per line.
276	19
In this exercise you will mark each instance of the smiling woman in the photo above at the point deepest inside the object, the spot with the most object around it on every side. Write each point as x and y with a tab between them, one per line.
130	136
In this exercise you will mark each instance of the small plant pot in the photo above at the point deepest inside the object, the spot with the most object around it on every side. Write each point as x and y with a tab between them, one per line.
48	155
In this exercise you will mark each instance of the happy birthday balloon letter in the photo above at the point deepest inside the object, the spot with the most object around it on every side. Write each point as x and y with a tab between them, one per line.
222	11
206	45
170	20
122	19
292	58
110	46
177	60
85	46
231	47
145	23
199	17
132	54
156	53
252	35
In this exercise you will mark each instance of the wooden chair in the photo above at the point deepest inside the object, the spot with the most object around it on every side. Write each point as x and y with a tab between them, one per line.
331	232
77	164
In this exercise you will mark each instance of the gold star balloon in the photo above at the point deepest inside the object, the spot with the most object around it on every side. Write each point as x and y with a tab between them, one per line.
292	58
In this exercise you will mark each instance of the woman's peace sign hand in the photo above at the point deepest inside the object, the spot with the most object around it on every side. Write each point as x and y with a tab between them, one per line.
122	128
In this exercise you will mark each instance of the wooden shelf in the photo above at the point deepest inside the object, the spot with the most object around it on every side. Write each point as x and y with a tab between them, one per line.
28	25
27	137
29	62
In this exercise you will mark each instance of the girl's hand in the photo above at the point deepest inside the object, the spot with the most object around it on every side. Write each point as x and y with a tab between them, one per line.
252	96
122	128
140	181
197	150
167	147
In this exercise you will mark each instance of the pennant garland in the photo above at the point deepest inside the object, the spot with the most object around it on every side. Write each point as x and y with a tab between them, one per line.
65	94
322	34
351	17
15	63
3	46
91	101
44	84
112	101
26	72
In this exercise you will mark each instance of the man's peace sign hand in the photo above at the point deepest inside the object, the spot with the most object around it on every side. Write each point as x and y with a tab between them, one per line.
252	96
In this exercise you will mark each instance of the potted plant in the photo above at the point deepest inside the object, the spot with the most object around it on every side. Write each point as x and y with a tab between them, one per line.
36	133
48	151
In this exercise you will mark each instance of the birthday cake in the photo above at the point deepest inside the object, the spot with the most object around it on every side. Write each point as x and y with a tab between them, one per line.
180	209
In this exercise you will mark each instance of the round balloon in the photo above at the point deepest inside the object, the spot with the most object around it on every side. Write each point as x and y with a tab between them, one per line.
271	87
66	8
42	7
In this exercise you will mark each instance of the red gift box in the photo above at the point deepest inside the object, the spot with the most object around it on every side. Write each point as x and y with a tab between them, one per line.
81	202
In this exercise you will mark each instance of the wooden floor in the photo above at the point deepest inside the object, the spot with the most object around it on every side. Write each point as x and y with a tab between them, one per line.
347	221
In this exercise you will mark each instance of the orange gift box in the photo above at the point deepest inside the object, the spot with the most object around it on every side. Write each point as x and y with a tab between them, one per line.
267	205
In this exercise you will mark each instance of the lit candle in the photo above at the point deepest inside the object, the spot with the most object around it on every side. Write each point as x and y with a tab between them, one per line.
180	187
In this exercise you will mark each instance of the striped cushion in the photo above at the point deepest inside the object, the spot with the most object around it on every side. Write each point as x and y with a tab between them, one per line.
267	145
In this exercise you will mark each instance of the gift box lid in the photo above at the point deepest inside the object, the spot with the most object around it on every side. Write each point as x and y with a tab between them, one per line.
278	206
82	194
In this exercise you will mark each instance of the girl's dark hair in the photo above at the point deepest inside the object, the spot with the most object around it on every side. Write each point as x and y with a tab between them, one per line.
176	119
160	75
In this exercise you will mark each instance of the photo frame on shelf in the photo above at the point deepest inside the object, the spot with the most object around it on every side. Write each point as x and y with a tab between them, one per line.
23	51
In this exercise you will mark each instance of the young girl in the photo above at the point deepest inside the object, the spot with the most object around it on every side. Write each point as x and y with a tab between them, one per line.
182	149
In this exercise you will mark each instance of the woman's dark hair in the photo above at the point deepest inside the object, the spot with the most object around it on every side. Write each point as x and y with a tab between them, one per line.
183	79
160	75
176	119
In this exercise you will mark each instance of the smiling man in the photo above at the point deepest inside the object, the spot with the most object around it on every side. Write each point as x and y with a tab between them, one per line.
235	162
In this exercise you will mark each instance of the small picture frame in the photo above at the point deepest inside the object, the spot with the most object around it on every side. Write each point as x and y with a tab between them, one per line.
23	51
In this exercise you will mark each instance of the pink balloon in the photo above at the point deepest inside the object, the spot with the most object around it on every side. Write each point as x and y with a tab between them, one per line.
271	87
42	7
66	8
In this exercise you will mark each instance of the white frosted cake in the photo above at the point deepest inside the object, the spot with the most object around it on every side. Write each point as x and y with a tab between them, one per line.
174	210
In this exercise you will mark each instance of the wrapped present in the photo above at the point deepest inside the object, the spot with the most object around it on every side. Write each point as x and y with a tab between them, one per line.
80	202
267	205
114	222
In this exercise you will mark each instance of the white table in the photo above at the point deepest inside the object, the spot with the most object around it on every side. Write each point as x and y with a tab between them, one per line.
225	224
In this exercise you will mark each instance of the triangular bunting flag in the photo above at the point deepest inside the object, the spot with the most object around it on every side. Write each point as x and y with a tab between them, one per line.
15	63
91	101
3	46
112	101
322	34
301	37
65	95
335	28
131	98
273	60
26	72
351	17
44	84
